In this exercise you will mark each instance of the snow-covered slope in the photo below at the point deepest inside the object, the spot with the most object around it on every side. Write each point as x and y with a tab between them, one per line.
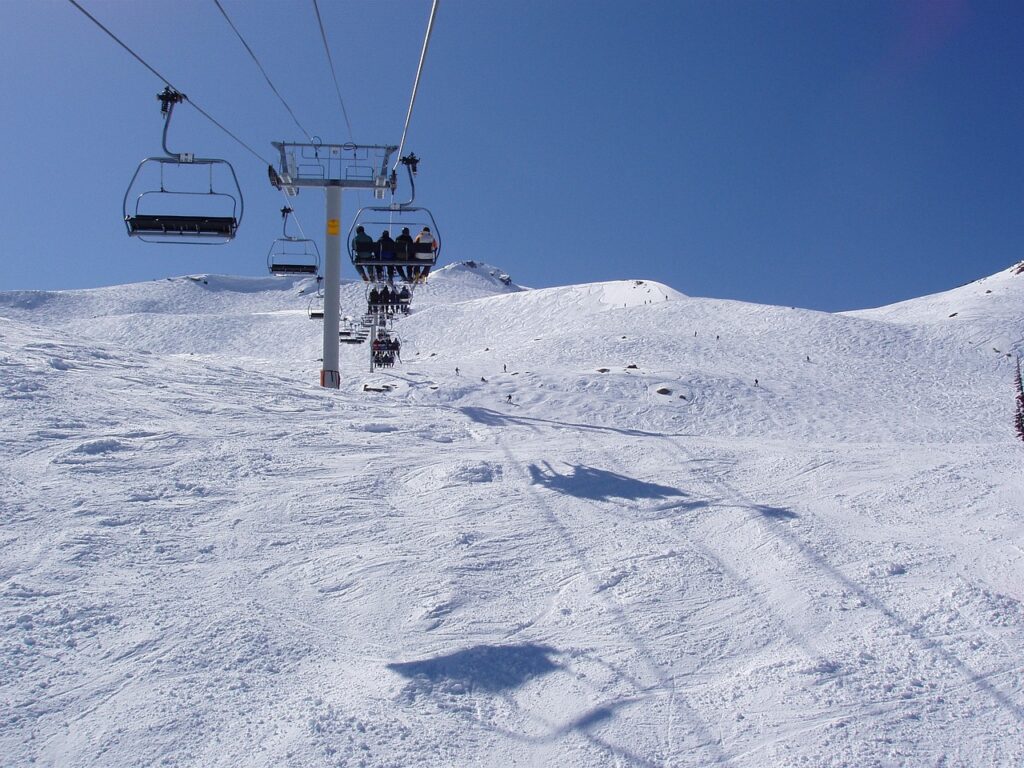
701	532
985	314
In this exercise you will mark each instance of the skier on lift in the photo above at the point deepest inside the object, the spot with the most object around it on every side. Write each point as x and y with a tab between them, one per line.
361	239
387	253
403	246
425	236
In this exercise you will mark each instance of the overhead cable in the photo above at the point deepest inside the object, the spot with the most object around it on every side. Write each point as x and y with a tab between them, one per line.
167	82
337	88
416	82
262	70
266	77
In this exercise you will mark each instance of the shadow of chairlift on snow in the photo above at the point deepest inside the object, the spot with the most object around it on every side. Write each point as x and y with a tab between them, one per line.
932	645
585	482
498	670
775	513
488	668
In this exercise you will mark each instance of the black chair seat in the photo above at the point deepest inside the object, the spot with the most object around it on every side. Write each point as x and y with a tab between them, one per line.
293	269
186	226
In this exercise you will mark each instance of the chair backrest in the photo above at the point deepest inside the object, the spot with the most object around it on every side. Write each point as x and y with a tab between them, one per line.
365	248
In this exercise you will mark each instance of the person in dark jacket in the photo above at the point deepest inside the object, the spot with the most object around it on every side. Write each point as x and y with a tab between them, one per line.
361	239
387	253
403	245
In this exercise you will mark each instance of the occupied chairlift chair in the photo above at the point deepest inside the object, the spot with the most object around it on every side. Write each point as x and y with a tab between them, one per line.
399	300
385	350
421	257
292	255
177	215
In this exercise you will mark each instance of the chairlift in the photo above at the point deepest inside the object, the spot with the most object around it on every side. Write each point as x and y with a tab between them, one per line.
182	214
351	332
387	300
411	262
315	309
385	350
290	255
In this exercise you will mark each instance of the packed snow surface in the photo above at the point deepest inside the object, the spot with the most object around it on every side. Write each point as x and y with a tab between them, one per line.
602	524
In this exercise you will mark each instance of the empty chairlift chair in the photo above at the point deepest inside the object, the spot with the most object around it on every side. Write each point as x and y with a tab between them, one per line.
351	332
315	309
292	255
197	200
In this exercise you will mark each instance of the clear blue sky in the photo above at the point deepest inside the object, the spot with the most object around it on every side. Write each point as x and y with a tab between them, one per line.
823	154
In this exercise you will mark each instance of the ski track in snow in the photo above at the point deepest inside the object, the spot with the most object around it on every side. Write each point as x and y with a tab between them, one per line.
644	559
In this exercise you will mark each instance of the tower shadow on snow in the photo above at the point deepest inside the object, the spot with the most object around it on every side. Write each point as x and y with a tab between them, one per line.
909	629
492	418
490	668
585	482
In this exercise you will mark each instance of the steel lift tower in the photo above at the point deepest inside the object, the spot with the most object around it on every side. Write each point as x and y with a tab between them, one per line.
334	167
